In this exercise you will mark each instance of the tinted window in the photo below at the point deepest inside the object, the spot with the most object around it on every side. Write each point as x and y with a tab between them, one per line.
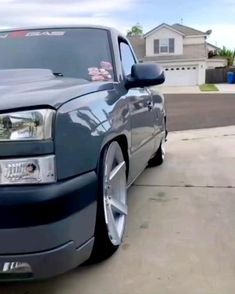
127	58
79	53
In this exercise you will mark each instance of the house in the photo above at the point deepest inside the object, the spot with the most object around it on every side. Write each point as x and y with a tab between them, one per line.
212	48
213	59
181	50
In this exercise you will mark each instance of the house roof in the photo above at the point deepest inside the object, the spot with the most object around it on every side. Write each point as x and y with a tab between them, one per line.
215	47
187	31
161	26
180	29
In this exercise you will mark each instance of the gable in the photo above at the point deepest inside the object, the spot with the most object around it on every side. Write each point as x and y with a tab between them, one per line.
164	33
160	27
188	31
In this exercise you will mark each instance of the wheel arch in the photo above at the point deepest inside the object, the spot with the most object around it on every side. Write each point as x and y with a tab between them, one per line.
123	142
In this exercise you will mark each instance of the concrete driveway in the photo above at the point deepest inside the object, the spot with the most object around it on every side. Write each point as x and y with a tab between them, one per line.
181	229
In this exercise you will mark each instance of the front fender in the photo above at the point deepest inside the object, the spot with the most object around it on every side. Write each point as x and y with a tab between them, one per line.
83	126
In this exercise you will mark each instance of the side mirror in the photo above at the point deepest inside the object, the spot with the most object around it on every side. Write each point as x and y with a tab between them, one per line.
144	75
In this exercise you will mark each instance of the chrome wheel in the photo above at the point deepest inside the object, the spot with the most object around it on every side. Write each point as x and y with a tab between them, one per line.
115	193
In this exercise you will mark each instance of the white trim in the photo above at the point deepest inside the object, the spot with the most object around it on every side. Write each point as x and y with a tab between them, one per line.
196	36
161	45
213	46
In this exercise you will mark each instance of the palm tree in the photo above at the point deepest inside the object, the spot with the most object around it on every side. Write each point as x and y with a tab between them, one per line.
228	54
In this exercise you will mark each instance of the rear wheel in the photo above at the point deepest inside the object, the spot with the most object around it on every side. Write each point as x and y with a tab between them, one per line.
112	203
159	156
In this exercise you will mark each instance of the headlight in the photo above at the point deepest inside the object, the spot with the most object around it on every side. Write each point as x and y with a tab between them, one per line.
26	125
39	170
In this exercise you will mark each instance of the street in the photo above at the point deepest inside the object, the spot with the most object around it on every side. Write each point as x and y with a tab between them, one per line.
180	236
196	111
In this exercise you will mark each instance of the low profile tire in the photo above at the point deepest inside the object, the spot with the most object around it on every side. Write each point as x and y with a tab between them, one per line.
159	156
112	203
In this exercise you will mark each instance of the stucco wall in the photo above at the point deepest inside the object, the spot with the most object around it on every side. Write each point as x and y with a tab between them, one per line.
194	40
213	62
195	51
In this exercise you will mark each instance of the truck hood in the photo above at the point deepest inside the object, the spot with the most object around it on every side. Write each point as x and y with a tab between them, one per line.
21	88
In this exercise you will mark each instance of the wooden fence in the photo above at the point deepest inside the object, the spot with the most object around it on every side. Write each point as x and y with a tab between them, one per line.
218	75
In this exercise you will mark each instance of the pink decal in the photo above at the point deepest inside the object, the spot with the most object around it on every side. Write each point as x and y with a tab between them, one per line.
97	78
100	74
106	65
93	71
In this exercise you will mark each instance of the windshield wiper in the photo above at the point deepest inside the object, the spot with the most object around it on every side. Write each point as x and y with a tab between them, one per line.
58	74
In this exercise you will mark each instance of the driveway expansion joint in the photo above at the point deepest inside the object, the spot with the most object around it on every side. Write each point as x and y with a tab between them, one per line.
187	186
207	137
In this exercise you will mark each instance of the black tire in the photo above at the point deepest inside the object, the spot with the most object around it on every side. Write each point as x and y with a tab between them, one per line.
159	157
103	247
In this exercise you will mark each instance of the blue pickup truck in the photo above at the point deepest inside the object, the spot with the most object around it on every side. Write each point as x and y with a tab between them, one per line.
79	121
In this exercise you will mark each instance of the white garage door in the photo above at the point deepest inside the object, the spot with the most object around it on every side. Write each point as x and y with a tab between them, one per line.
181	76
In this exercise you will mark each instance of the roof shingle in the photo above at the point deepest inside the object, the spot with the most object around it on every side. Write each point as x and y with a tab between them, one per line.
187	31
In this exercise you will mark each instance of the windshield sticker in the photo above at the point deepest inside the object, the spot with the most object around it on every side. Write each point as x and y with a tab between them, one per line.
44	33
106	65
99	74
21	34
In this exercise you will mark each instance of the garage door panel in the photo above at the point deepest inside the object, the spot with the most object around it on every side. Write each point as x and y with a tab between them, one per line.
181	76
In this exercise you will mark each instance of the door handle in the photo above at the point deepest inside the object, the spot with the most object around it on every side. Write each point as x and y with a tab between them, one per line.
150	105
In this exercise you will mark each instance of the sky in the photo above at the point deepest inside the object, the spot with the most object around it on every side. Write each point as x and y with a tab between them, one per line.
215	15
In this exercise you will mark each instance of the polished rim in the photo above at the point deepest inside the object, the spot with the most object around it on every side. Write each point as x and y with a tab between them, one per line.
163	151
115	193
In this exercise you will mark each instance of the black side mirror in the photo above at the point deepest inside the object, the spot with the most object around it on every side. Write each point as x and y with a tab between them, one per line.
145	75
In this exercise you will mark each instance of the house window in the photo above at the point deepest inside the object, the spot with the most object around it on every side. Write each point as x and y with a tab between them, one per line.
163	46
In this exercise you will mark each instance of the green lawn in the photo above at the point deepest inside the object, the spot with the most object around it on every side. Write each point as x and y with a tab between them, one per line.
208	88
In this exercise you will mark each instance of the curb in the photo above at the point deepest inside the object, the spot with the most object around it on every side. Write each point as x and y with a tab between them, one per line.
197	93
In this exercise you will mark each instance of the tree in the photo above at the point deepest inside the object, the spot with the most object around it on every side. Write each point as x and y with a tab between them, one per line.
228	54
136	30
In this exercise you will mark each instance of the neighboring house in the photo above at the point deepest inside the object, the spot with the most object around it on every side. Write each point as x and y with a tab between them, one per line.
213	59
212	48
181	50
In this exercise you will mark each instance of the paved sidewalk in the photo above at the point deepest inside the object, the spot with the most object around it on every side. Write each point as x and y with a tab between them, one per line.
226	88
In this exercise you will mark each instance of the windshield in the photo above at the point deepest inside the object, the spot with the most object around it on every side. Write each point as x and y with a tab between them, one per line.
76	53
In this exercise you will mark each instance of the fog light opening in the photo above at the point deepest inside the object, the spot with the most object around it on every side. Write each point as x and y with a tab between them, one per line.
16	270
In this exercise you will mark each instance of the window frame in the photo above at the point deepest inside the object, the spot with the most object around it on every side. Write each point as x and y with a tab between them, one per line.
163	43
166	45
122	40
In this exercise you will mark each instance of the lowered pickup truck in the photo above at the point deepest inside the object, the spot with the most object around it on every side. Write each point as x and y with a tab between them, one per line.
79	122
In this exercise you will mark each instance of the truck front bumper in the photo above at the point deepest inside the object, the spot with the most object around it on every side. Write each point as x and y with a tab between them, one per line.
49	228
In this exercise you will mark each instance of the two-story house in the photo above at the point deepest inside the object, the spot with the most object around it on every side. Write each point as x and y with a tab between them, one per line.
181	50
